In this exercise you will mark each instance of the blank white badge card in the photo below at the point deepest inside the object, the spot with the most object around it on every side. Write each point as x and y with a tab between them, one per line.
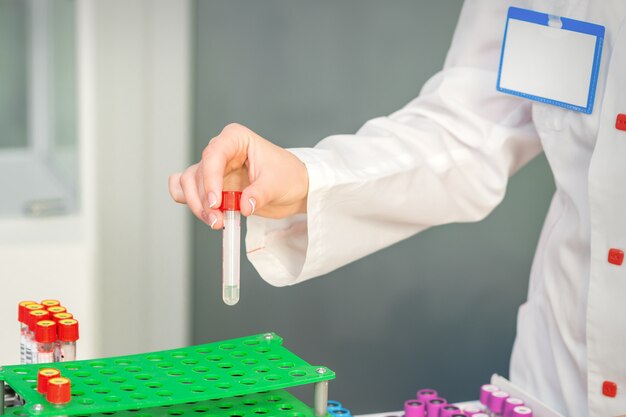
551	59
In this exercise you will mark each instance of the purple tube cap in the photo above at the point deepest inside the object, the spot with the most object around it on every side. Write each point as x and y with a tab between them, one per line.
509	404
522	411
434	406
472	410
426	394
485	393
414	408
449	410
496	401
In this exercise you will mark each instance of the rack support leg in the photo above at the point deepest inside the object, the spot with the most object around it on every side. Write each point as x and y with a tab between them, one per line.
2	391
321	399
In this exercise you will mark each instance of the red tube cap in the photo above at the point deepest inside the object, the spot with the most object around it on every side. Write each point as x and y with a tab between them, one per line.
231	200
62	316
43	376
46	331
59	390
68	330
35	316
50	303
28	308
56	309
21	310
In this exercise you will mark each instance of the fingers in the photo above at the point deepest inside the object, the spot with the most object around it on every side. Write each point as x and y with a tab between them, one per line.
175	189
190	191
223	152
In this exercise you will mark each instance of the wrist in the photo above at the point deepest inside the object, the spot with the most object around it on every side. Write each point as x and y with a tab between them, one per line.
302	206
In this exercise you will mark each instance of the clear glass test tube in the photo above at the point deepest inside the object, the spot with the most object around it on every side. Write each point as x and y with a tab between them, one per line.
231	241
67	336
21	317
30	345
45	338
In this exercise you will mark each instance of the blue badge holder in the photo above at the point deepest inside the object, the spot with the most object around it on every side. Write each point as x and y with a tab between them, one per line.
536	72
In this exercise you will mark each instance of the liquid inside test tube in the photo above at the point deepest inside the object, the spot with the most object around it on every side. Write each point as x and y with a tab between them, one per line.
231	240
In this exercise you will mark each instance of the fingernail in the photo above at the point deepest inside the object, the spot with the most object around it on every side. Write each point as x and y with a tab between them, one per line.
253	204
212	199
212	220
204	216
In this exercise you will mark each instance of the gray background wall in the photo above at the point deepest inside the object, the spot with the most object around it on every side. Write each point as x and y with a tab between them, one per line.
437	310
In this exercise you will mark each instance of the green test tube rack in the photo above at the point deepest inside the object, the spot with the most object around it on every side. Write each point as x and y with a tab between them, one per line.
242	377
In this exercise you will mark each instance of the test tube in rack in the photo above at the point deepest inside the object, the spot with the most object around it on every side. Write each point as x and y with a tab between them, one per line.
67	336
45	338
21	317
59	391
231	241
33	318
43	376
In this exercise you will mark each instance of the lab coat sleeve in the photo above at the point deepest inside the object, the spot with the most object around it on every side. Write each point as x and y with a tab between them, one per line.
445	157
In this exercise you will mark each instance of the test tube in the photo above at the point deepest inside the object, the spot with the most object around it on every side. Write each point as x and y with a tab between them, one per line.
21	317
45	338
496	402
67	335
43	376
231	237
59	391
33	317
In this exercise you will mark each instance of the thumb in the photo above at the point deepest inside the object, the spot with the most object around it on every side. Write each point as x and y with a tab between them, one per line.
254	197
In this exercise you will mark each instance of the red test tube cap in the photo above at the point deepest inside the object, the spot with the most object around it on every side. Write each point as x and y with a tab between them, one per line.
46	331
231	200
56	309
59	390
68	330
62	316
21	310
50	303
43	376
28	308
36	316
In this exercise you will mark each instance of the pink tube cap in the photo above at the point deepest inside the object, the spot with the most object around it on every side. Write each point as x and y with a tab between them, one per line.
414	408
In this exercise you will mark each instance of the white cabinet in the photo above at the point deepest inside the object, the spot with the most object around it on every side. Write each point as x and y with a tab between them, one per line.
84	211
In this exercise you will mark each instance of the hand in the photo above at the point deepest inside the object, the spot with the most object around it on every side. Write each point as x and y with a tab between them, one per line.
274	182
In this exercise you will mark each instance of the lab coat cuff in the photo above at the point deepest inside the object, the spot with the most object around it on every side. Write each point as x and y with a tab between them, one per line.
288	251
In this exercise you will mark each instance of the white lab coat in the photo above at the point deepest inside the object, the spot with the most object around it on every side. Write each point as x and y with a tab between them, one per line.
446	157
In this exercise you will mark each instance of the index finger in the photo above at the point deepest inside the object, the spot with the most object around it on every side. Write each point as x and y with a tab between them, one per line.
220	151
